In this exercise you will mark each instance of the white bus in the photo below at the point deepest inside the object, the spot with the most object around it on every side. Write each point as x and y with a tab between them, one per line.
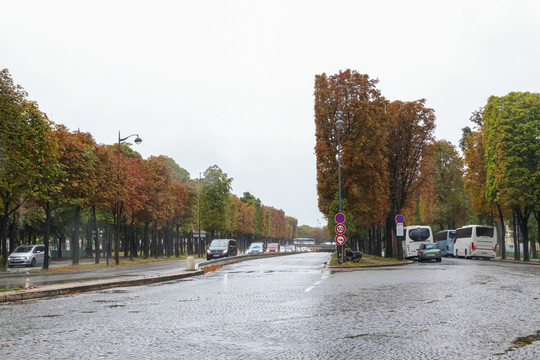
414	236
476	241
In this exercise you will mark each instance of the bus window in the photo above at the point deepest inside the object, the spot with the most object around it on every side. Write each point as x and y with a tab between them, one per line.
419	234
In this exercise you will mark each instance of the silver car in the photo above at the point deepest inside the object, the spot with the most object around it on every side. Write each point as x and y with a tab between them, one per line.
256	248
27	255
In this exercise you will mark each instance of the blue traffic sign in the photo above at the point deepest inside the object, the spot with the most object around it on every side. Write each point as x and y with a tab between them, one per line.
400	219
340	218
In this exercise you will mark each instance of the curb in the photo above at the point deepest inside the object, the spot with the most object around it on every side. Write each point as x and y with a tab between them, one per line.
367	267
70	288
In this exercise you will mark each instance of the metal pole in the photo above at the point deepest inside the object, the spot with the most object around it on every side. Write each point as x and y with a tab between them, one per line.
117	237
339	124
199	239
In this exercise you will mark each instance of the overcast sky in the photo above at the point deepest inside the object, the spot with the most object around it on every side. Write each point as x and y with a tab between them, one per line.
230	83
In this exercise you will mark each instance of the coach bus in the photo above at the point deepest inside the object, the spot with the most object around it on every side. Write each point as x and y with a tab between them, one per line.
476	241
414	236
446	239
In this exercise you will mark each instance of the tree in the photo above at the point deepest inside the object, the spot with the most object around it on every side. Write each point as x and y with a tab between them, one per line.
215	191
23	136
78	158
410	131
512	161
447	201
354	99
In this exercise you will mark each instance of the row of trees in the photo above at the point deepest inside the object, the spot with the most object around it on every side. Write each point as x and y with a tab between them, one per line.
54	182
502	155
391	162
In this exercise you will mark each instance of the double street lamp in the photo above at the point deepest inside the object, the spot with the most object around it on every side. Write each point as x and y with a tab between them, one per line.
138	140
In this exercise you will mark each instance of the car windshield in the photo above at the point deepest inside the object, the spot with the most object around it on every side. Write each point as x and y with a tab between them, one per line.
255	246
219	243
23	249
431	246
272	245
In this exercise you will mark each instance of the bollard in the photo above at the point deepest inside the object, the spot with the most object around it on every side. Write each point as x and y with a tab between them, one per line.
190	264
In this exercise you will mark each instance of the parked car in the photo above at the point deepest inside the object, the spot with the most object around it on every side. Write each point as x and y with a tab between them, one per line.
429	251
272	248
256	248
221	248
27	255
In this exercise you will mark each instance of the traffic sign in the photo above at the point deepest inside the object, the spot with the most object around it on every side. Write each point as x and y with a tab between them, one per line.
340	229
400	219
340	218
340	239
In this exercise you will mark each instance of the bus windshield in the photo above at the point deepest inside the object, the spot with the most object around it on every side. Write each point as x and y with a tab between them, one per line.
419	234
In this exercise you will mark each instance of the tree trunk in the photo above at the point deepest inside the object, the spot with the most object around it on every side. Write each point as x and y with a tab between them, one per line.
96	233
523	224
502	243
145	239
46	235
516	236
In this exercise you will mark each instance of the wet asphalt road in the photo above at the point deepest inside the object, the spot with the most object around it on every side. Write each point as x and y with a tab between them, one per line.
292	308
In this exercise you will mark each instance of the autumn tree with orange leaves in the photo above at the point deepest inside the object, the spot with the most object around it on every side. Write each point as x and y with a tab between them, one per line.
353	98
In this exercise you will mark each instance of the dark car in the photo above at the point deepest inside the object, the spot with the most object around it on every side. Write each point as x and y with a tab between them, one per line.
429	251
221	248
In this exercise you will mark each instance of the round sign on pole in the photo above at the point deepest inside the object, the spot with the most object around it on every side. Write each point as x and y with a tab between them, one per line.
340	218
340	229
400	219
340	239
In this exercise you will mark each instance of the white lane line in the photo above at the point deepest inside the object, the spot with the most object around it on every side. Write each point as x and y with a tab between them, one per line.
312	287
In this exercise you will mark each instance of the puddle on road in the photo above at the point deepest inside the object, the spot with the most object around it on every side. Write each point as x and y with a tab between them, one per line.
522	342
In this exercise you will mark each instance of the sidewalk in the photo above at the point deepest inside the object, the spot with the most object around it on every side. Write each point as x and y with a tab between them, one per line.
77	287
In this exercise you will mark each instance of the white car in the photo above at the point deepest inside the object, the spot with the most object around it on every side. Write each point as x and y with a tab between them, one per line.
256	248
27	255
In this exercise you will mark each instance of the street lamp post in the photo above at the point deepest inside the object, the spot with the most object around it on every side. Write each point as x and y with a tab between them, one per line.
138	140
339	125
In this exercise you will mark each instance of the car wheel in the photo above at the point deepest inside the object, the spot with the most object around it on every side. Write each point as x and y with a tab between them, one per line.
439	260
419	259
33	263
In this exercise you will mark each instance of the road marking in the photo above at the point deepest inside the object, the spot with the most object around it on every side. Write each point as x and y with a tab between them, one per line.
312	287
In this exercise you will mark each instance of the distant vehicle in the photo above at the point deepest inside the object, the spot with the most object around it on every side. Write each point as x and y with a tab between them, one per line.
27	255
256	248
272	248
446	239
221	248
287	249
414	236
429	252
304	241
476	241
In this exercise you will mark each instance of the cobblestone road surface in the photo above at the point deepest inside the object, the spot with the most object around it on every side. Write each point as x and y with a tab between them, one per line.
292	308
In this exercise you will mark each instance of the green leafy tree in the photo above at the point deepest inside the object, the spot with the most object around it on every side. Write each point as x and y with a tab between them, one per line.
446	197
512	149
215	202
23	135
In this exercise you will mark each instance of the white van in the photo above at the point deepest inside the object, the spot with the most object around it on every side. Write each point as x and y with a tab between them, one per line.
414	236
476	241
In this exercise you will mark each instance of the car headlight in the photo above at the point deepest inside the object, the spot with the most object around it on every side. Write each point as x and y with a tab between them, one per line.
27	257
225	251
9	258
208	251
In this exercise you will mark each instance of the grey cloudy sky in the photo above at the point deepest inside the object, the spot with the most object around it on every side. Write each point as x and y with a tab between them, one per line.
231	82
